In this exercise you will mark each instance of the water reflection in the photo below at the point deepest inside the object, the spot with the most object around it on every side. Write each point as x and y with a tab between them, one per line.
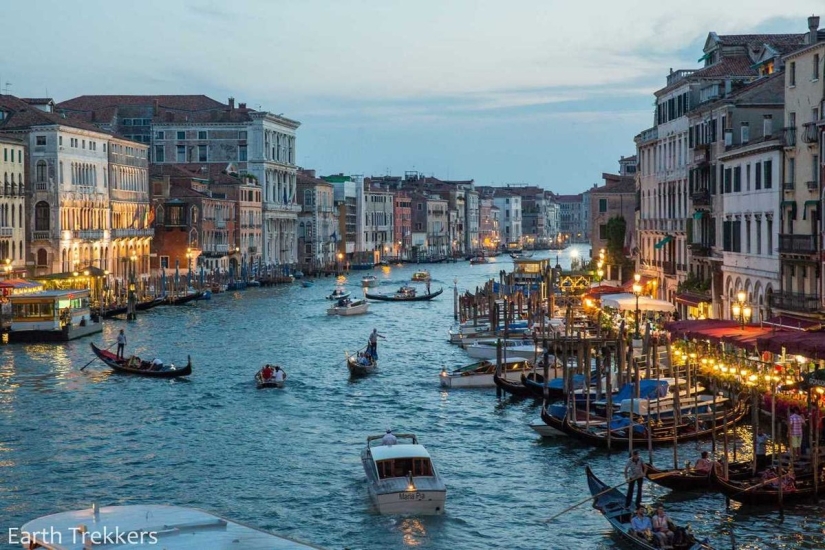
413	531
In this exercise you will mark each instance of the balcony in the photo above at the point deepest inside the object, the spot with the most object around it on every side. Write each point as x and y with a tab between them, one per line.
701	198
88	235
788	186
798	244
215	248
795	301
701	153
220	224
810	133
6	232
125	233
700	250
812	185
41	235
789	136
669	268
41	186
252	250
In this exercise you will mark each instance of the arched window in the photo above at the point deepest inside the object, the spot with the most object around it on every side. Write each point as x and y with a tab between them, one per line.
41	216
42	257
20	214
41	171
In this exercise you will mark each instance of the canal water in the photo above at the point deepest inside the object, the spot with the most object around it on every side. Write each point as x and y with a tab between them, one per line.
288	460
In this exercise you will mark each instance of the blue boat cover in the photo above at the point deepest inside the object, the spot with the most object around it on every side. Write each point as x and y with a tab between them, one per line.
648	389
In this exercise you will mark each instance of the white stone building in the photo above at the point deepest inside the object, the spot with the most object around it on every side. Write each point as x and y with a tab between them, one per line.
509	206
12	203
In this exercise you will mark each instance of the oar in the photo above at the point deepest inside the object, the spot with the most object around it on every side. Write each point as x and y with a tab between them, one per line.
94	358
588	499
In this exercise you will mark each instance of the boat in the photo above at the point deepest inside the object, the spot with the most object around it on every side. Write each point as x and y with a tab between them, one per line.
480	374
149	304
270	382
765	490
369	281
345	307
253	282
339	293
488	349
401	477
63	315
298	274
190	296
479	260
306	283
521	255
688	479
421	275
361	364
610	502
133	365
405	294
148	525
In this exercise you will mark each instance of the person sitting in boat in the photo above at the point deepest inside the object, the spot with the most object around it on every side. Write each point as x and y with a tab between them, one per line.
280	374
266	372
640	525
704	464
389	438
134	362
157	364
662	527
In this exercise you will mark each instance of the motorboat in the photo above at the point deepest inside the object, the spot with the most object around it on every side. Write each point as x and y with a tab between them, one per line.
479	260
487	349
306	283
262	381
338	293
369	281
480	374
402	478
149	525
345	307
422	275
459	333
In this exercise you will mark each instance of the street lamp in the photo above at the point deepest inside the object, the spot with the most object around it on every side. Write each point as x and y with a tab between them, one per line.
7	268
741	309
637	290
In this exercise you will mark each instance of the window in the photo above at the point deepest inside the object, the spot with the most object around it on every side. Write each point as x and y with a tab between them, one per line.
758	237
180	155
815	168
201	134
757	172
792	74
60	140
83	146
769	228
40	140
748	236
181	135
602	205
768	174
159	135
737	179
164	262
242	153
816	67
747	177
41	216
728	174
791	173
127	121
242	134
41	171
160	153
603	232
201	153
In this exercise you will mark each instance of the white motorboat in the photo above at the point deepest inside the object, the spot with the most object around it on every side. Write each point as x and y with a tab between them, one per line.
480	374
345	306
487	349
369	281
401	478
338	293
124	527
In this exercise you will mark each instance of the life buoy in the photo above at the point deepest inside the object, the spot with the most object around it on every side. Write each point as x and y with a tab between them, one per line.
766	356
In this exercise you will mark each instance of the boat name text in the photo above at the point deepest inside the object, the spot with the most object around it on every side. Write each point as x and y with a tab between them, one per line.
411	496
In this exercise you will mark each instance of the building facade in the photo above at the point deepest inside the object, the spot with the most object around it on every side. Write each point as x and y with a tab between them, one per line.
317	222
13	249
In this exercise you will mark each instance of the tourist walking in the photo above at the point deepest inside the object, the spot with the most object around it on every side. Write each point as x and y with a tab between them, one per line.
121	344
634	472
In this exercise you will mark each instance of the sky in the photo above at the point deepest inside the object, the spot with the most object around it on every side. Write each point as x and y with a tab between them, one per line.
541	92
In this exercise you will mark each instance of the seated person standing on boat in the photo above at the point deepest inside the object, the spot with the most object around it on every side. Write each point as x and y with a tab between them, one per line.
640	525
280	375
661	527
704	464
389	438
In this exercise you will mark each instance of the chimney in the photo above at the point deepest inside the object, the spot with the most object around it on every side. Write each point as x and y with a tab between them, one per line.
813	26
231	102
155	105
241	105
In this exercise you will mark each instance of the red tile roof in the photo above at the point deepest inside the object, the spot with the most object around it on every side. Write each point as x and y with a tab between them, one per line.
177	102
759	39
22	115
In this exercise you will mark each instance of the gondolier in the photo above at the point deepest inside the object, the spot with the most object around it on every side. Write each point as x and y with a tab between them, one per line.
121	344
373	343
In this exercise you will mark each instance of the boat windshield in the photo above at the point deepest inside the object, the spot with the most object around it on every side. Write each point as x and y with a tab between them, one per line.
401	467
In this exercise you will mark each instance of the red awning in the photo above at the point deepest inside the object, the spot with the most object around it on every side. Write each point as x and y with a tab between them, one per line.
603	289
691	299
790	321
795	342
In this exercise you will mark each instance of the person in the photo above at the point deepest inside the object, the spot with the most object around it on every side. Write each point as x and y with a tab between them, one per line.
266	372
157	364
373	343
428	286
389	438
634	472
761	449
121	344
280	374
795	423
661	527
704	464
640	524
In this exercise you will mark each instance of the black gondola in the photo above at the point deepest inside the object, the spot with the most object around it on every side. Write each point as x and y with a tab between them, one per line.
512	387
688	479
184	299
763	492
149	304
133	365
361	365
404	295
610	502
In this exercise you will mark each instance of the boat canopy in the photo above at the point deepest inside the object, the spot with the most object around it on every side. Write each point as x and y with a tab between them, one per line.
400	450
648	389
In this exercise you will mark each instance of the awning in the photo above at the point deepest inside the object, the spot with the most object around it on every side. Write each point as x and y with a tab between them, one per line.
791	205
628	302
15	286
692	299
791	321
663	242
806	344
805	207
704	57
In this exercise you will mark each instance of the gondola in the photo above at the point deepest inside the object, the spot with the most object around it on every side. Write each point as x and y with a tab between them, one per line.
405	296
759	492
149	304
113	311
687	479
122	365
512	387
361	365
184	299
610	502
662	433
